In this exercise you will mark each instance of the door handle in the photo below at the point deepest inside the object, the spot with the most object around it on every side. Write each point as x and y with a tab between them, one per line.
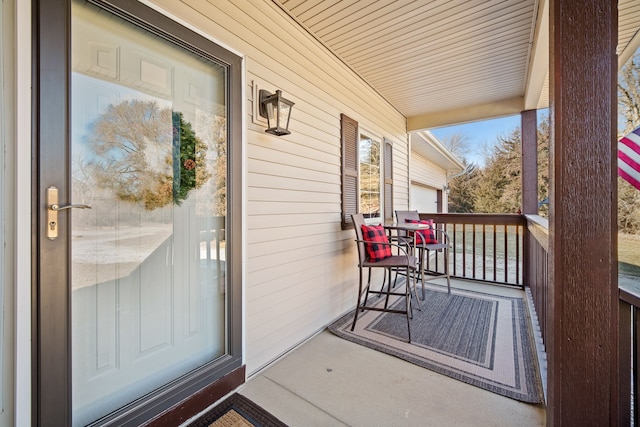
55	207
52	212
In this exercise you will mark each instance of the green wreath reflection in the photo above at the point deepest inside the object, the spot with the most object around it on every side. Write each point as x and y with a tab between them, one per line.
147	154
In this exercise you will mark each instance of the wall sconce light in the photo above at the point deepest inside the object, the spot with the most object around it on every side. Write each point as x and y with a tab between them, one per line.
277	111
446	188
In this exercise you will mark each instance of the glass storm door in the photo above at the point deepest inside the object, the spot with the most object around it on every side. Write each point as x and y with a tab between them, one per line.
142	212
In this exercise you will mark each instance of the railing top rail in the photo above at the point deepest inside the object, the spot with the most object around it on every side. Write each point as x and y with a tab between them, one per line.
474	218
539	229
629	297
538	220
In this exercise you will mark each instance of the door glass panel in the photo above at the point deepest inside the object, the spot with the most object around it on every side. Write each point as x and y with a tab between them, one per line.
148	142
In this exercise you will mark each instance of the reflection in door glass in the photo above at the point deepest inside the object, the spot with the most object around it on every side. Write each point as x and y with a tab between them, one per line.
149	146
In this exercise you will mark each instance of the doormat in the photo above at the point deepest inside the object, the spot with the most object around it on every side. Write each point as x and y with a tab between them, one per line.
481	339
237	411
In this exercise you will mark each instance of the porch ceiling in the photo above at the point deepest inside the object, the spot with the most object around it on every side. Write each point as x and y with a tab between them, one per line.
441	62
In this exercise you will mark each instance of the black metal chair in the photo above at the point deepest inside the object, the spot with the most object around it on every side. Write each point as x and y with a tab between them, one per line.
443	245
403	261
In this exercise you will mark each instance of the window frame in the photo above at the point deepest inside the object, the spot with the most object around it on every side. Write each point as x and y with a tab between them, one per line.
365	134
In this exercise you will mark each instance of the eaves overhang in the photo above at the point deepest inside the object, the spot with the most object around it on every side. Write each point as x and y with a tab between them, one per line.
428	146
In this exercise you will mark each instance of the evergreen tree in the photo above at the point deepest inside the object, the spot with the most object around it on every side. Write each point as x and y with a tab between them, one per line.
462	191
461	198
500	189
543	166
497	188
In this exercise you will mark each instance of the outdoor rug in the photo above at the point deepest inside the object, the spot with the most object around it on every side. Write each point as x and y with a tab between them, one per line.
480	339
237	411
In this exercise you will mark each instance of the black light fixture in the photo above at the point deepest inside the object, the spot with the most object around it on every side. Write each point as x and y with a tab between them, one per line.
277	111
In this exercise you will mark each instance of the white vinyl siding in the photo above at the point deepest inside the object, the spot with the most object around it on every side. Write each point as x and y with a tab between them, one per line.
300	265
425	172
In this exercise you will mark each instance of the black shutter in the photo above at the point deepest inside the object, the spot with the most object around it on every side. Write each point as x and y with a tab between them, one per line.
388	180
350	163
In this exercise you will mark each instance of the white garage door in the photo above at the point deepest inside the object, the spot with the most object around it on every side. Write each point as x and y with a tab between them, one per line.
423	199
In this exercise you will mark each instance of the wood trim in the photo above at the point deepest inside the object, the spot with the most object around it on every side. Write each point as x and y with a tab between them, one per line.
487	219
51	327
200	401
388	179
529	162
423	185
583	300
539	230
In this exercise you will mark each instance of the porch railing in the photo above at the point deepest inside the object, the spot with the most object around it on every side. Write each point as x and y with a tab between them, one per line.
485	247
536	277
536	267
629	356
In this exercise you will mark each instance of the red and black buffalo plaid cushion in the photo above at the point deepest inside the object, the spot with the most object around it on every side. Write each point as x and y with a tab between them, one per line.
374	235
426	236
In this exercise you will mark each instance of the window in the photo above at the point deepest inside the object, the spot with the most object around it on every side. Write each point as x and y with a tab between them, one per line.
369	176
361	174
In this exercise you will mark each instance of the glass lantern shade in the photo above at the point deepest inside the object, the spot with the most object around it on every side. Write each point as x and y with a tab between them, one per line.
277	110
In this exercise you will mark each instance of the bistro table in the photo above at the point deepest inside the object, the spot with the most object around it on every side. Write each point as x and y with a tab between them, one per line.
409	228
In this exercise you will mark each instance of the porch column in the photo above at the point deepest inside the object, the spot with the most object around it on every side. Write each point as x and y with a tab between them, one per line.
582	349
529	162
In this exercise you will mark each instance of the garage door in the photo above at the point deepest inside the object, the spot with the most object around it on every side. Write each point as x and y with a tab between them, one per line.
423	199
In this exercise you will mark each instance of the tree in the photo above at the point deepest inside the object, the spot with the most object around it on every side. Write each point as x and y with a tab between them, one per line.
497	188
544	134
462	190
147	154
458	144
461	198
500	189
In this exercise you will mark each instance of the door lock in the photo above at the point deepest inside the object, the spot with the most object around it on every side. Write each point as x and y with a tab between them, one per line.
52	212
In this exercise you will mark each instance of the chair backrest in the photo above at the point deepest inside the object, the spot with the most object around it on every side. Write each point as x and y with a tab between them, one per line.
402	216
358	221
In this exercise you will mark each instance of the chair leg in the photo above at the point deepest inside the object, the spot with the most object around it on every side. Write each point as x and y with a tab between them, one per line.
355	316
366	298
407	295
446	270
415	289
386	301
422	256
408	305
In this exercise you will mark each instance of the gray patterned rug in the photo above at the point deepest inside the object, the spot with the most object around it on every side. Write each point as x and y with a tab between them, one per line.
480	339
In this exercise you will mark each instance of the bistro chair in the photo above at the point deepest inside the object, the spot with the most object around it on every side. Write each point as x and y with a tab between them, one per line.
374	251
431	239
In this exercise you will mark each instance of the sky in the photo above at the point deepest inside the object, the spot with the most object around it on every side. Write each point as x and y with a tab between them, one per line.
479	134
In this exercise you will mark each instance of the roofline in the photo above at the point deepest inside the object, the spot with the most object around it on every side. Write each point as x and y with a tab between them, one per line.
441	149
474	113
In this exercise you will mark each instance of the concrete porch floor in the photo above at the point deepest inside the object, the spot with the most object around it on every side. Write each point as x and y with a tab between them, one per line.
329	381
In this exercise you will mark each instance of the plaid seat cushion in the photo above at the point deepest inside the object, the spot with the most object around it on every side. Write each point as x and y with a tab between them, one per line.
374	235
427	236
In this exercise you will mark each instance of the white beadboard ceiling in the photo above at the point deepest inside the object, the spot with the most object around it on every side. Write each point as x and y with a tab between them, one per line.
442	62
